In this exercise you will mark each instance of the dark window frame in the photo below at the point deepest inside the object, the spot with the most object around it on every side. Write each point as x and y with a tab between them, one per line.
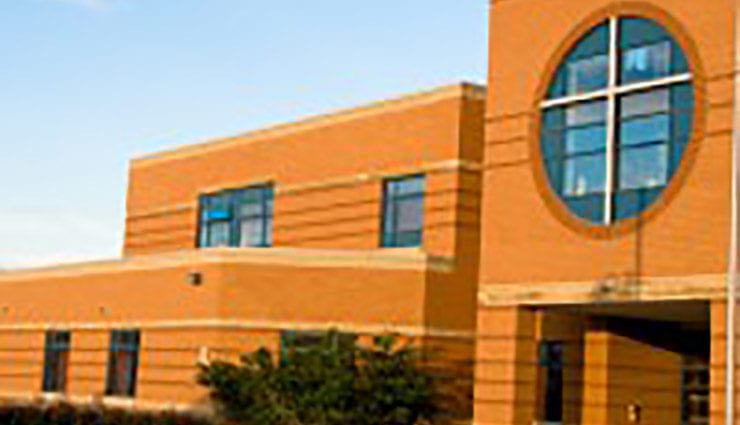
57	347
393	238
265	193
552	386
132	347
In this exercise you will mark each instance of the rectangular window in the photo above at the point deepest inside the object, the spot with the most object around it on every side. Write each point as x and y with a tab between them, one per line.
403	212
56	361
237	218
123	362
551	367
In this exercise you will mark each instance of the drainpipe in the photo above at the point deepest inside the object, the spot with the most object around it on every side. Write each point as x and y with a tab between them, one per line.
732	271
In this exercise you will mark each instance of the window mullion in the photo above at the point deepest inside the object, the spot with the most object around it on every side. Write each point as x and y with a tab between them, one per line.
611	120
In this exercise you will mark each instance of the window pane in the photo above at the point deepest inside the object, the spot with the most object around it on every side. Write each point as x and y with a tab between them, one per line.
629	203
586	113
251	233
646	62
552	144
644	130
589	207
249	196
253	202
634	32
217	208
587	75
56	360
253	209
123	363
406	186
410	215
646	103
403	211
585	175
585	139
682	98
644	167
219	234
408	239
585	68
553	119
554	168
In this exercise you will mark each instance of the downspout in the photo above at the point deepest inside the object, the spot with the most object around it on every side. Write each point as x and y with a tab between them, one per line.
733	252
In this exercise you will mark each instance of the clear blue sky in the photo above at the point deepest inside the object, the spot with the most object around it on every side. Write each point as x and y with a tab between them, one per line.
87	84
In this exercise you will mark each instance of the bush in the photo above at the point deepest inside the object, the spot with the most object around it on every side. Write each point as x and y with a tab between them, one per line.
325	384
65	414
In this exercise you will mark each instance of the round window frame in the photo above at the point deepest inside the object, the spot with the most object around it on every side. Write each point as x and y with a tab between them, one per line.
552	199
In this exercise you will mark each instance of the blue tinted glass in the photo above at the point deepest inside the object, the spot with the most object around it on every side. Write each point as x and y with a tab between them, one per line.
679	63
586	67
595	43
589	208
553	119
645	103
656	128
653	126
634	32
252	232
585	175
648	51
410	213
403	212
224	216
682	98
219	234
250	196
585	139
217	207
644	167
406	186
586	113
646	62
408	239
585	75
629	203
554	168
557	86
552	144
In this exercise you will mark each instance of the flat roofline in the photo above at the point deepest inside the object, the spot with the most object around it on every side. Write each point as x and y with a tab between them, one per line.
380	259
463	90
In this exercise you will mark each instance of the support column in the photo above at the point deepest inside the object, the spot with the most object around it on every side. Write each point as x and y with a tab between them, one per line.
620	371
506	371
718	364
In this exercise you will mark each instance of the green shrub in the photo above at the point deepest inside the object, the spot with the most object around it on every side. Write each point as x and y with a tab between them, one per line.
324	384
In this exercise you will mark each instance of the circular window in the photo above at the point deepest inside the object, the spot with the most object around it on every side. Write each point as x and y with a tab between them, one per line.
617	119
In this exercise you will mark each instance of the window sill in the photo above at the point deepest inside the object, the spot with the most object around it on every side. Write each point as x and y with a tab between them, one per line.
50	396
120	401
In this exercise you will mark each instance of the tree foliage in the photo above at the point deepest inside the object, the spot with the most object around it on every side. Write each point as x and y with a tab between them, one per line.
324	384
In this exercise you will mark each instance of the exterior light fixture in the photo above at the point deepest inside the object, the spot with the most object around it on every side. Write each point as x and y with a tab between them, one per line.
194	278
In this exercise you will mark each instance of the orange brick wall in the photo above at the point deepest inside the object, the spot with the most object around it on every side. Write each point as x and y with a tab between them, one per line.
327	174
619	371
523	241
